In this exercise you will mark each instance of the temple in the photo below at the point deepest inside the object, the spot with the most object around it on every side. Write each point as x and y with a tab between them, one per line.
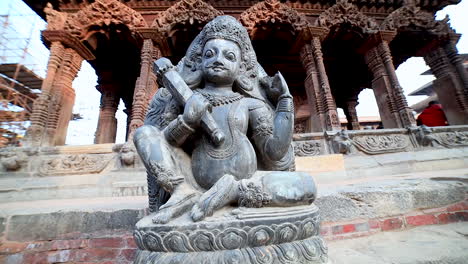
80	204
328	52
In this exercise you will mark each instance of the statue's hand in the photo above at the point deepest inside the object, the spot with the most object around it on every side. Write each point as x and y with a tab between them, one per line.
277	87
194	110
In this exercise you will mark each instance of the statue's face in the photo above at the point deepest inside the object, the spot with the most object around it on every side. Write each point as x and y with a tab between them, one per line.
221	61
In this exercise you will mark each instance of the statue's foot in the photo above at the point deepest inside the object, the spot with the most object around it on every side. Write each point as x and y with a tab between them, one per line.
225	191
178	204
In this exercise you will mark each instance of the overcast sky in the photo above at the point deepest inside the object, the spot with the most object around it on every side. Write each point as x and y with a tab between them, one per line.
87	97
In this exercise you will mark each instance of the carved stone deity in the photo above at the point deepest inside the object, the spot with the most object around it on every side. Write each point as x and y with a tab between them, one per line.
217	148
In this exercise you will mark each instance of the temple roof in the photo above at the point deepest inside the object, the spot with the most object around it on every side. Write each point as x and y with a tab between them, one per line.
428	89
38	5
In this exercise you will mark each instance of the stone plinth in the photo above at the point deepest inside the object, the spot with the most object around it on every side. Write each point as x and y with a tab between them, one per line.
242	235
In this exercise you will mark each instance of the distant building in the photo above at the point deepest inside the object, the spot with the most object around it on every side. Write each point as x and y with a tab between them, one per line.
428	89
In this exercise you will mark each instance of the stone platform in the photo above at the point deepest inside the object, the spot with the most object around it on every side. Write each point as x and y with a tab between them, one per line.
96	230
242	235
81	203
421	245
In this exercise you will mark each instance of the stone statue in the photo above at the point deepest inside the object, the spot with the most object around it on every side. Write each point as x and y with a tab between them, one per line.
341	142
218	137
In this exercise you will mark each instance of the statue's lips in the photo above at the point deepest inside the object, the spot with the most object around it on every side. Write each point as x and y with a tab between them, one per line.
218	68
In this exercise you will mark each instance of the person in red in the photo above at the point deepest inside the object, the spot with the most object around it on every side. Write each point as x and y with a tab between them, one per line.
432	116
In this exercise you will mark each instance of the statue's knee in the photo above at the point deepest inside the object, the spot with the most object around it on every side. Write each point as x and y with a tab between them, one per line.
143	132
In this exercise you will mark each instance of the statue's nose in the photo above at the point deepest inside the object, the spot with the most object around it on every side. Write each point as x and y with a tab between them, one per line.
218	60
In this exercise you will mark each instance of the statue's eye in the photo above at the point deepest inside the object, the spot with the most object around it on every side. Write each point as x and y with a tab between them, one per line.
231	56
209	54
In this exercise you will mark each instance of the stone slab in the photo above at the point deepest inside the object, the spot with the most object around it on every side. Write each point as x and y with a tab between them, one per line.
327	169
86	149
405	162
361	200
428	244
61	225
318	164
389	197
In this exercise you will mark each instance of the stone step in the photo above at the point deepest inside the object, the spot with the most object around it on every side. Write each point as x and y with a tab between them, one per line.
422	245
339	204
327	170
110	184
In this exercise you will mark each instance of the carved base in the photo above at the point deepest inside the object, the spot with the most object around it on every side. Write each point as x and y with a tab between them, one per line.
243	235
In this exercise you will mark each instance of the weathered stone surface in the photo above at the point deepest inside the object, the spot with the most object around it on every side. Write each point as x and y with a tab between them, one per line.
327	163
388	198
279	235
2	225
421	245
204	159
64	224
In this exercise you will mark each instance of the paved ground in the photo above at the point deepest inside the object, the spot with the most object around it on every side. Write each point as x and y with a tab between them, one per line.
444	244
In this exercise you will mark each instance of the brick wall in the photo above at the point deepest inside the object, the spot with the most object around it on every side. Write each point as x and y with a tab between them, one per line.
117	245
104	250
356	228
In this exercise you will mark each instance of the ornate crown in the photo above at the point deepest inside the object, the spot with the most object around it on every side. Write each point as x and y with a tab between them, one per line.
228	28
225	27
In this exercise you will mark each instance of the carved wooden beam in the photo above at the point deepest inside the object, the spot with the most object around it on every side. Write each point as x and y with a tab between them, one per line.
64	37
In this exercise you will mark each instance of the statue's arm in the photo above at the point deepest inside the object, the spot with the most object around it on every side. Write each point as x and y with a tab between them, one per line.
188	122
177	131
272	131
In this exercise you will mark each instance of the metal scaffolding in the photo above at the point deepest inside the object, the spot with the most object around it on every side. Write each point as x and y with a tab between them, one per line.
23	63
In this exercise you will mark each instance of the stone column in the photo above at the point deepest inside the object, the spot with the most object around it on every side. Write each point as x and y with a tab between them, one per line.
393	107
52	111
145	86
324	115
107	124
351	114
450	85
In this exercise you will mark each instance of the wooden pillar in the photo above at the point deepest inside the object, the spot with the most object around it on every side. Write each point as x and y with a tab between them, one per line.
106	131
450	85
351	114
39	115
324	115
62	104
145	86
52	111
393	107
311	85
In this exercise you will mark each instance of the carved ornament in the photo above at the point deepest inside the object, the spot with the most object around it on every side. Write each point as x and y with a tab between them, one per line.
307	148
74	164
103	13
275	12
300	127
183	12
427	137
64	37
413	16
13	159
381	144
55	19
240	233
453	139
346	13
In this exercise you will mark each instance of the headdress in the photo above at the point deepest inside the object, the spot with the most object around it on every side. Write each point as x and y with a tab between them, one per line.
228	28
